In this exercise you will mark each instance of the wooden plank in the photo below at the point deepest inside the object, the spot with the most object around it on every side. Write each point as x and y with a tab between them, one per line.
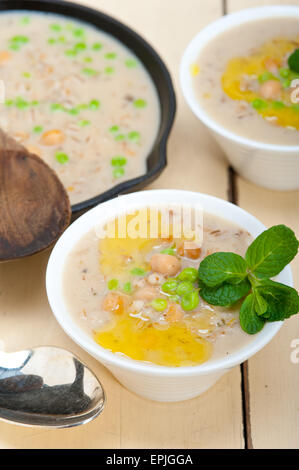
213	420
273	378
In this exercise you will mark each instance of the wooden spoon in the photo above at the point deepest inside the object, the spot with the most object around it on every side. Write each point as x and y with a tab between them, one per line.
34	206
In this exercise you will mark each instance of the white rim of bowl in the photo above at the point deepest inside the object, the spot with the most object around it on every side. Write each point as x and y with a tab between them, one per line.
57	304
199	42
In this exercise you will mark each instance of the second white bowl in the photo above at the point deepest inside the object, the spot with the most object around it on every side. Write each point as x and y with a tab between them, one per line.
270	166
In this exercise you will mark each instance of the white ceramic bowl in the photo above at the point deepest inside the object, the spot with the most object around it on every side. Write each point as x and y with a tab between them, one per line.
152	381
268	165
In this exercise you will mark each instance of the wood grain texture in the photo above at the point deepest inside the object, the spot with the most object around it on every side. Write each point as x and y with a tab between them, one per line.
34	206
273	378
195	162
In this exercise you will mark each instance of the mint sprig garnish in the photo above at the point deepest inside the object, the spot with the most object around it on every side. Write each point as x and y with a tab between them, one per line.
225	266
293	61
225	278
269	253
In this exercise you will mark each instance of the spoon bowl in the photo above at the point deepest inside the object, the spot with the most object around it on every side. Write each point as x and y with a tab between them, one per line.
48	386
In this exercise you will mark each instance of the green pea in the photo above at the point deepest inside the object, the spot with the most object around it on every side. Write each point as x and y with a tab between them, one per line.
56	107
134	136
278	105
114	129
190	301
168	251
118	160
159	304
286	83
78	32
84	122
174	298
109	70
97	46
69	26
264	77
51	41
14	47
25	20
119	137
89	71
94	104
19	39
110	55
118	172
55	27
188	274
138	272
112	284
62	39
82	106
127	287
34	103
9	102
88	59
80	46
259	104
131	63
185	287
70	53
21	104
73	111
284	73
169	286
38	129
140	103
61	157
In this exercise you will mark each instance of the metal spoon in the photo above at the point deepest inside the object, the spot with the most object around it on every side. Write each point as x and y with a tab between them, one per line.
48	386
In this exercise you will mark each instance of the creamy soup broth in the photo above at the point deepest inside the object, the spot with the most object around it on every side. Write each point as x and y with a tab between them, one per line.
78	98
261	48
171	337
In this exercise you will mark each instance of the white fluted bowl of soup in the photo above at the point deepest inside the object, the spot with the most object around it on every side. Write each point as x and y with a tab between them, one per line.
114	294
238	80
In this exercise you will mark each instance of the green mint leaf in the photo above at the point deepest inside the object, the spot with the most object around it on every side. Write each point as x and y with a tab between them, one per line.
250	322
293	61
222	267
282	301
261	304
271	251
226	294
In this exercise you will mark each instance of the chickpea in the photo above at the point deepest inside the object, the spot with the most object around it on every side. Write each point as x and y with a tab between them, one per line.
270	89
174	313
155	279
4	56
147	293
189	250
53	137
271	65
165	264
113	303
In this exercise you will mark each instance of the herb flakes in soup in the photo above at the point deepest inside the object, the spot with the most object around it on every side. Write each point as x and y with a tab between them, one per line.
68	83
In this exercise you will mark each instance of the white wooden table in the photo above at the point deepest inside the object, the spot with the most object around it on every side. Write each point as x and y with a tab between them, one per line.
255	405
